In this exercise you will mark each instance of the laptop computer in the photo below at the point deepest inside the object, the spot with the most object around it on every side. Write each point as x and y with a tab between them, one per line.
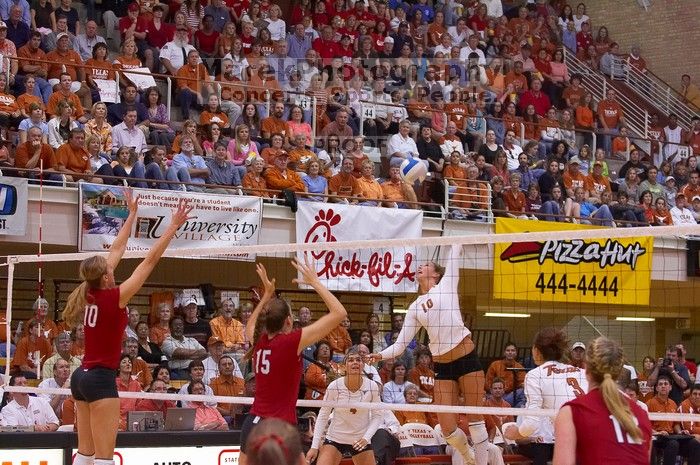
144	421
179	419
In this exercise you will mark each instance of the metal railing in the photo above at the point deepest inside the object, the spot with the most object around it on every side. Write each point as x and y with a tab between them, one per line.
636	118
468	199
653	89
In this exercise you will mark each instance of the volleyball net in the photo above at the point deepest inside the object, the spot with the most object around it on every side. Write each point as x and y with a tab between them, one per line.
635	285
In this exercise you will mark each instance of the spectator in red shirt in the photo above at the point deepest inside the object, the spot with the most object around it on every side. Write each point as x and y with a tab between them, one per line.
584	39
536	98
325	45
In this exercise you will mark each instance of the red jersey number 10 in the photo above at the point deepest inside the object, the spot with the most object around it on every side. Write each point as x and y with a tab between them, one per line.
262	361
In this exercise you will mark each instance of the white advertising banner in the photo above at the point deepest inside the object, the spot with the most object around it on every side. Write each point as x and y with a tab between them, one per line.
218	221
207	455
13	206
377	270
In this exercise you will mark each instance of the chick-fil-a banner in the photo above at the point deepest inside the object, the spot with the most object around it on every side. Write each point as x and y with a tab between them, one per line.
371	270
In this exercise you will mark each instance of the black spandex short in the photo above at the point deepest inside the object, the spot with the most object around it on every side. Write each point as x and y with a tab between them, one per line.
347	449
247	426
90	385
457	368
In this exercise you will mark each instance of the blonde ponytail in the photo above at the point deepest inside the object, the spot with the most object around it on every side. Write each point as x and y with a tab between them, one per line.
619	407
91	271
604	360
75	306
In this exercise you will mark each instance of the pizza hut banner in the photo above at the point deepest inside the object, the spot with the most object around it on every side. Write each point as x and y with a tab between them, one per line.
370	270
609	271
224	221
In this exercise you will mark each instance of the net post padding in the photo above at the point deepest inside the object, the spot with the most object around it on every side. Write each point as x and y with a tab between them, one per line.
475	239
359	405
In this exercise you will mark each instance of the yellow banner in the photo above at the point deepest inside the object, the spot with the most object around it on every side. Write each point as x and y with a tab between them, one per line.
610	271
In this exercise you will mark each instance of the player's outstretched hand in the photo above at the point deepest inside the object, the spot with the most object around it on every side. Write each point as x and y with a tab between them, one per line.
307	271
268	284
182	213
131	202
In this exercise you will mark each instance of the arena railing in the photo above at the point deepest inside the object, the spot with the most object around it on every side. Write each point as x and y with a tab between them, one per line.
653	89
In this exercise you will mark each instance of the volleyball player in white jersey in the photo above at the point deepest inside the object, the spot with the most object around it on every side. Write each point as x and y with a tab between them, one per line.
351	429
457	366
549	386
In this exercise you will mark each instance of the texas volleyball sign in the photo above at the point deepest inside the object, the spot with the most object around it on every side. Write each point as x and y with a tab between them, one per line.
601	270
218	221
381	269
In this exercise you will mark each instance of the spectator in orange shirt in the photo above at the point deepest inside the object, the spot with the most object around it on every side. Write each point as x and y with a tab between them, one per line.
691	405
10	116
340	342
513	381
610	117
66	60
275	124
495	422
397	192
344	185
279	177
25	359
514	198
72	158
29	155
422	375
370	189
669	448
64	92
411	394
192	83
253	182
315	378
161	329
227	328
227	384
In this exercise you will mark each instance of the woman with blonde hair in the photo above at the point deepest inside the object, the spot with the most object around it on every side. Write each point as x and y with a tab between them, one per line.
605	417
99	127
100	305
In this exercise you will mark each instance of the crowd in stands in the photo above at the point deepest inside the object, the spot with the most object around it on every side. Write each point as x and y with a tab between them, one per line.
274	106
199	356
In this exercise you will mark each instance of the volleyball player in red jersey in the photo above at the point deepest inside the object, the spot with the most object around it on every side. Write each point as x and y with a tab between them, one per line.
276	352
603	426
101	306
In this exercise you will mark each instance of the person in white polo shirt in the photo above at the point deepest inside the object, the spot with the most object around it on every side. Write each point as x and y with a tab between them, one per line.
27	411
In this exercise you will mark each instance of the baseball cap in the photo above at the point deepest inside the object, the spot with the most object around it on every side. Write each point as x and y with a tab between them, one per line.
190	301
282	154
679	195
388	40
578	345
134	7
598	163
669	178
3	25
213	340
696	197
576	160
158	6
403	24
61	35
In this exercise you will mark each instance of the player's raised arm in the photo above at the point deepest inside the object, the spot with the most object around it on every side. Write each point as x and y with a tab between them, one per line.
268	294
131	286
336	311
116	251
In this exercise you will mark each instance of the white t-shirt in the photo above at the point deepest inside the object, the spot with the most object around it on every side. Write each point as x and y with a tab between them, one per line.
682	216
348	425
512	154
549	386
438	312
207	392
37	412
278	29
